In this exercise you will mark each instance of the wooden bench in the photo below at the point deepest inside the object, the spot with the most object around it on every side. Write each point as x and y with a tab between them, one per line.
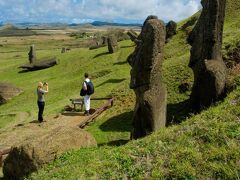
77	102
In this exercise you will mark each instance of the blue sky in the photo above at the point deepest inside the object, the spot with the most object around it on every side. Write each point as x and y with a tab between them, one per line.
80	11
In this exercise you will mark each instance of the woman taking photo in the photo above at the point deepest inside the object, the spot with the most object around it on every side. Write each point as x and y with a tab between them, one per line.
41	90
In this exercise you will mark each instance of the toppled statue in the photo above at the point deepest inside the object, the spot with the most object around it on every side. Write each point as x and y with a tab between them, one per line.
146	79
112	44
40	64
206	58
171	30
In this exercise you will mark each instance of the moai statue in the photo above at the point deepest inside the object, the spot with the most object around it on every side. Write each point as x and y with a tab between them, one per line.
206	58
63	50
133	35
171	30
146	79
112	44
32	55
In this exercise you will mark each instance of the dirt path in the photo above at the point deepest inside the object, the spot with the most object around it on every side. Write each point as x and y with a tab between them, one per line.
18	134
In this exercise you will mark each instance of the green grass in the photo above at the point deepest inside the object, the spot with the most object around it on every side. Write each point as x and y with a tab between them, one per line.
203	146
65	79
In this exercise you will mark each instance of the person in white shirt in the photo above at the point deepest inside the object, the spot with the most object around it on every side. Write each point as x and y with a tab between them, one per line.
86	97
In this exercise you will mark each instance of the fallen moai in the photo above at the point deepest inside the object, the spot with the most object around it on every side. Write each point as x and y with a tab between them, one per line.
171	30
112	44
35	64
41	150
206	58
41	64
146	79
8	91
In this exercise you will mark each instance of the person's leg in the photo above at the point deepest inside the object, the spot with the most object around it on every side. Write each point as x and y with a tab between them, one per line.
40	111
87	104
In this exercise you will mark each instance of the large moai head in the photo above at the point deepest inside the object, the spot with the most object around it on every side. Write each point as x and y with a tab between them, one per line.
206	58
171	29
32	55
146	79
148	53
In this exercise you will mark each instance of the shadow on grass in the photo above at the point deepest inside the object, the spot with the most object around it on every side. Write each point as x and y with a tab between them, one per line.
122	47
111	81
119	123
24	71
119	142
120	63
177	113
101	54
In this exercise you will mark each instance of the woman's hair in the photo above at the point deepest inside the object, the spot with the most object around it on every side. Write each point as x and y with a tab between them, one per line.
40	84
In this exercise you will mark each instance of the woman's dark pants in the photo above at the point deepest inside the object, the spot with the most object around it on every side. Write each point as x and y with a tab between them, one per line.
40	111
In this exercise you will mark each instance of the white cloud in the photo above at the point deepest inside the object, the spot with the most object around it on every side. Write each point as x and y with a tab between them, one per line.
80	10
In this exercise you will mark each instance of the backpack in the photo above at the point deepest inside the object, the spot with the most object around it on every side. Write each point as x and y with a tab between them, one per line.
90	87
83	92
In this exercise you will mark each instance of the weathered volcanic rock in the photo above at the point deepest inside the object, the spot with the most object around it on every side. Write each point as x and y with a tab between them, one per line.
206	57
64	50
99	43
8	91
171	30
133	35
112	44
146	79
37	152
32	55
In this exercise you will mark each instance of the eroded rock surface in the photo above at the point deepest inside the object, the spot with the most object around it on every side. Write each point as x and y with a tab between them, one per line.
171	30
112	44
146	79
8	91
39	151
206	58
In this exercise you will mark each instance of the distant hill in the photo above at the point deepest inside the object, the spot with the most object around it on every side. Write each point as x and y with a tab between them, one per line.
32	25
10	30
100	23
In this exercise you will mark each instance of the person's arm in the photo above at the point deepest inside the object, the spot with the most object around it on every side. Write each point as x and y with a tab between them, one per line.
46	88
84	86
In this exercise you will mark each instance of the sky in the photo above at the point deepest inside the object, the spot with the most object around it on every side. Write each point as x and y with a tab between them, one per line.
83	11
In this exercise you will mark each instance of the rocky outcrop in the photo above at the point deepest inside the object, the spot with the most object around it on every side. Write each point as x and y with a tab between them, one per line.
8	91
171	30
112	44
206	57
39	151
146	79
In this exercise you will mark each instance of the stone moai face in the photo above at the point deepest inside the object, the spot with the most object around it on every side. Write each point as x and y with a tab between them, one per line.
206	57
206	37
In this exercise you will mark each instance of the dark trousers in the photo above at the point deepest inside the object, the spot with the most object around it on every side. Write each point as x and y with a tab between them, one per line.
40	111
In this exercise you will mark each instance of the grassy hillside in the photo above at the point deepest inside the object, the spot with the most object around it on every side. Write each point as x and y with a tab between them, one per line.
203	146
